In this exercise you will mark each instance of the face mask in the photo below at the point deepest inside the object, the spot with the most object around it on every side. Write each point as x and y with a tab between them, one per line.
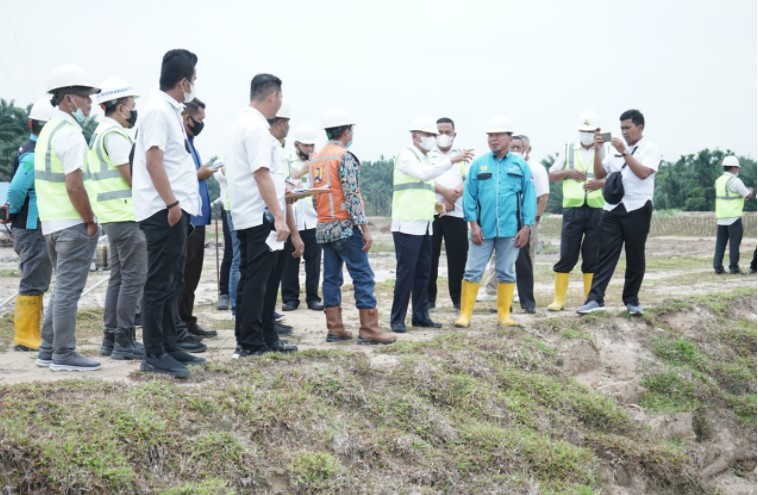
587	138
132	118
301	155
197	127
517	154
188	97
78	114
428	142
444	141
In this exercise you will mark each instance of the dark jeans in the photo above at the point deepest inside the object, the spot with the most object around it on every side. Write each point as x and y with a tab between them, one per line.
579	234
260	274
193	268
291	275
226	262
732	234
414	261
348	252
166	253
455	233
525	277
619	228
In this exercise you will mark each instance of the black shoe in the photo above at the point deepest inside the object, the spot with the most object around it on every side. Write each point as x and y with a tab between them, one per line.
106	347
23	348
457	307
164	364
191	346
282	329
398	327
243	353
432	305
278	316
752	271
290	306
201	332
315	306
282	346
426	324
186	358
530	311
736	272
223	302
182	334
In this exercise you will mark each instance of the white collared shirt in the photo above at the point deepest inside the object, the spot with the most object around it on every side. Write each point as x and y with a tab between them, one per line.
71	148
637	191
250	148
540	178
305	214
117	146
161	126
737	186
451	178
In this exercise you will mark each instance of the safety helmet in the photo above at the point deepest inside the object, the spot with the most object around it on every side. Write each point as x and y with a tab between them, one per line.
589	121
114	89
424	123
499	124
730	161
42	110
305	134
70	75
336	117
284	111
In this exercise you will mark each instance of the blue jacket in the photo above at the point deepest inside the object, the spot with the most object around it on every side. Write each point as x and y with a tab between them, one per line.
204	218
22	187
499	195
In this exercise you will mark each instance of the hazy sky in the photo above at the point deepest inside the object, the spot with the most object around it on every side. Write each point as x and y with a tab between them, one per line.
688	65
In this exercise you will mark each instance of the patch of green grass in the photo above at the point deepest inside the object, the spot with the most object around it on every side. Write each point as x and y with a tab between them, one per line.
668	392
681	352
314	471
9	272
213	486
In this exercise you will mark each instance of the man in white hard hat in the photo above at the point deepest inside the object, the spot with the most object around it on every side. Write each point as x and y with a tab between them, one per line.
28	241
731	195
500	205
582	207
68	222
413	207
165	194
305	215
343	231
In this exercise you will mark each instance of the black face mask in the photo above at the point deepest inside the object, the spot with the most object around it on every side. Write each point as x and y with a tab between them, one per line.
301	155
197	127
132	118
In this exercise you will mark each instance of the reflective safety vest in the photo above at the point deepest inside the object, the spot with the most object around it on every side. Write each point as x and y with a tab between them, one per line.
330	206
729	204
574	196
49	178
412	198
109	194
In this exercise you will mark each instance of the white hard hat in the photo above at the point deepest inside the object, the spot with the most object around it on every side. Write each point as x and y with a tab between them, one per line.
424	123
499	124
70	75
284	111
730	161
589	121
306	134
336	117
115	88
42	110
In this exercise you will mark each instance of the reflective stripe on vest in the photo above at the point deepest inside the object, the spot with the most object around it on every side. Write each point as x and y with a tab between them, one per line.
53	202
412	199
729	204
324	171
574	195
110	195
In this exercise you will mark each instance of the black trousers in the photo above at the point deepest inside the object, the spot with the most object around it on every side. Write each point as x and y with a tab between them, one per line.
525	277
166	252
414	260
193	269
290	277
619	228
733	235
260	274
579	234
226	262
753	263
455	233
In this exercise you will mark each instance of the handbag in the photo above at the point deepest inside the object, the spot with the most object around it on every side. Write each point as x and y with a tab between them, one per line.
613	190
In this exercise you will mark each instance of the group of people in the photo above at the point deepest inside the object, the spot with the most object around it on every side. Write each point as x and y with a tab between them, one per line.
150	196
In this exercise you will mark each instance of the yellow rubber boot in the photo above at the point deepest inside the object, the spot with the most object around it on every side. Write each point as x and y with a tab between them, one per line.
27	321
468	298
587	284
504	301
561	287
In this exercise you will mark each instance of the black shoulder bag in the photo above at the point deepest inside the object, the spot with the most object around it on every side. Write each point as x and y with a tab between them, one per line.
613	190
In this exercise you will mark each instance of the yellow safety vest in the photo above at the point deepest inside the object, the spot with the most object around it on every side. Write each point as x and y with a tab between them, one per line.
53	202
109	194
729	204
412	199
574	194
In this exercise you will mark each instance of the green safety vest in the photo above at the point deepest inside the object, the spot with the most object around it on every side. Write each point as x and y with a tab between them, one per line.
109	194
574	195
412	199
53	202
729	204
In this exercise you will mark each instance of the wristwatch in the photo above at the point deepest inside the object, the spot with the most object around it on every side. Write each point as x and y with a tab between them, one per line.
624	153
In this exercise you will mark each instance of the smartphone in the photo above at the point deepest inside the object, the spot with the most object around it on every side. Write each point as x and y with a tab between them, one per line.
606	137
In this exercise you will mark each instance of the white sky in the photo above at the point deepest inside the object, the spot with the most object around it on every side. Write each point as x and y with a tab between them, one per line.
689	65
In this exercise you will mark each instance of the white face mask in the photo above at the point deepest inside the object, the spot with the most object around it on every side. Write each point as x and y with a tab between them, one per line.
444	141
586	138
517	154
428	142
188	97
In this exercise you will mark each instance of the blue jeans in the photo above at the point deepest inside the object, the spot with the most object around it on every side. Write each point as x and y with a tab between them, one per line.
505	257
234	271
348	252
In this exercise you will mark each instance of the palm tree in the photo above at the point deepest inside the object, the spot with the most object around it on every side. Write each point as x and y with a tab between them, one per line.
13	132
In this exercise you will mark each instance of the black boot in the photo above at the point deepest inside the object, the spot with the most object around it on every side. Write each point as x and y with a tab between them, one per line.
106	348
124	347
186	342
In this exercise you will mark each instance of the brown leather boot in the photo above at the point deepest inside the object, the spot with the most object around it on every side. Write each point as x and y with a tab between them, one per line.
335	328
370	333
